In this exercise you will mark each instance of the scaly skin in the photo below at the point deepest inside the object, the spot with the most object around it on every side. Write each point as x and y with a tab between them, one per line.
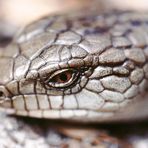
88	68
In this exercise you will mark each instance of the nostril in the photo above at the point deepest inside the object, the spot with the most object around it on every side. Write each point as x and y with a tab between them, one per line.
1	94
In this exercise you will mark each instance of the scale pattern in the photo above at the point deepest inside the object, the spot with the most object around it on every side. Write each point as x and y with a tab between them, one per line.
109	50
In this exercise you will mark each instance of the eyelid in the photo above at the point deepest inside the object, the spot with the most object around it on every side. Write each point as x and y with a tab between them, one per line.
74	77
63	84
58	72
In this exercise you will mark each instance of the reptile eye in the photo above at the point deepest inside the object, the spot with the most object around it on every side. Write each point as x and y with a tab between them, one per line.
62	78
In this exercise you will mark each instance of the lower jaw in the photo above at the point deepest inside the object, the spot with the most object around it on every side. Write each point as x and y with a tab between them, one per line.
67	114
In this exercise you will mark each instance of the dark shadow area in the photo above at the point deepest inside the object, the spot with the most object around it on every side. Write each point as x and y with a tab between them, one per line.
121	130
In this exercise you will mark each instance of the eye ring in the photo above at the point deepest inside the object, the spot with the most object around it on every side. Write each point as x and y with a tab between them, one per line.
63	78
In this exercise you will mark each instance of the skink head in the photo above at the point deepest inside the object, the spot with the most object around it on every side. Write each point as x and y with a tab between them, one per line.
74	71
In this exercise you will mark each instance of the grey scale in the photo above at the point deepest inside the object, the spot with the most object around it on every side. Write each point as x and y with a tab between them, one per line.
108	51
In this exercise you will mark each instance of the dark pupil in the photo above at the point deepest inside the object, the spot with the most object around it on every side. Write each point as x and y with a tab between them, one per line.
63	77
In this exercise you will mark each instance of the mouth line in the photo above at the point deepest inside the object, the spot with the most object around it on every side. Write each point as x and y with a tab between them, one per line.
74	114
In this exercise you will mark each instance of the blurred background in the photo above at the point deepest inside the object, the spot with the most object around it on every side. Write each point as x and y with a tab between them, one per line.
17	13
20	12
